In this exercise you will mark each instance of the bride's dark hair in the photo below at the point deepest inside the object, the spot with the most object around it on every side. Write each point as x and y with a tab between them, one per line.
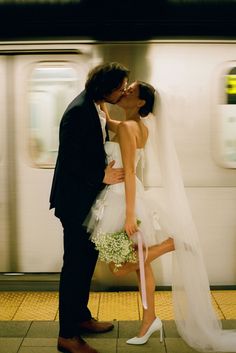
147	93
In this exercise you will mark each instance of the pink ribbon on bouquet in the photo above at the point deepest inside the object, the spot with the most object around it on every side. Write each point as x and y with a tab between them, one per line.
142	270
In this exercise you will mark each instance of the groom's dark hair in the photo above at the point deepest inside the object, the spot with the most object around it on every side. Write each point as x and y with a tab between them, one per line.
103	79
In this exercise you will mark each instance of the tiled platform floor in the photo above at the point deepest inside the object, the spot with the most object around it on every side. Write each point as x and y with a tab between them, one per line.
29	321
41	337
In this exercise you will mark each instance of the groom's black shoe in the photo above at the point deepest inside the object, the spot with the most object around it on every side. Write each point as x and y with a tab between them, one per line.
94	326
74	345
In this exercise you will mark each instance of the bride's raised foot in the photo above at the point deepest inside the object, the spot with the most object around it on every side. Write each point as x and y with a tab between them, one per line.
155	326
170	244
158	250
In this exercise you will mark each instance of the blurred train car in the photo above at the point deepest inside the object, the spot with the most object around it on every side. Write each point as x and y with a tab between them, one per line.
38	78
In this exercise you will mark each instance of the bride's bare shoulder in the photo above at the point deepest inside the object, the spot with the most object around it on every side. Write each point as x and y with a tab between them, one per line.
132	132
126	132
127	127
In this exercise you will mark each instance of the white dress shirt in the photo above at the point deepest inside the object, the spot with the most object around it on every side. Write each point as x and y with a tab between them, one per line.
102	117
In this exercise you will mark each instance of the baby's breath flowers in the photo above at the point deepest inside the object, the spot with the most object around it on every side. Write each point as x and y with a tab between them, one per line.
115	247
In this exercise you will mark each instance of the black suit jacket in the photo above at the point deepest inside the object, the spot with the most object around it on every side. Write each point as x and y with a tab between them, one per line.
81	160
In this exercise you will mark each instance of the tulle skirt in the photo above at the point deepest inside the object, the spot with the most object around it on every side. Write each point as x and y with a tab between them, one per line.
107	215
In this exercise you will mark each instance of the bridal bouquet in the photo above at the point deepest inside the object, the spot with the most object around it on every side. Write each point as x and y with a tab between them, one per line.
115	247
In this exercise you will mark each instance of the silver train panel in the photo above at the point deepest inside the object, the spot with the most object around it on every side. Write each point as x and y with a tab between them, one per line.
4	214
195	77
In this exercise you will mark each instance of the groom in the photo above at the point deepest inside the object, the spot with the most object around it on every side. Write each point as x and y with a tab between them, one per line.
80	174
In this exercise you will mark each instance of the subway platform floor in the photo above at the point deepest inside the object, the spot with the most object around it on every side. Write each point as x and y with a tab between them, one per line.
29	321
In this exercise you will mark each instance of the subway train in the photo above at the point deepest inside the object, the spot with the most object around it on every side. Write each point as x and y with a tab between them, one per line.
38	79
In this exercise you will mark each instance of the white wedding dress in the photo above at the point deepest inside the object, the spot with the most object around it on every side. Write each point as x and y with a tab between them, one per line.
107	215
195	316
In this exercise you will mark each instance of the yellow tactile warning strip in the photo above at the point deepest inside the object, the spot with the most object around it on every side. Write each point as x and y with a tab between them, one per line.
163	305
94	300
10	303
38	306
226	301
224	297
118	306
217	308
103	305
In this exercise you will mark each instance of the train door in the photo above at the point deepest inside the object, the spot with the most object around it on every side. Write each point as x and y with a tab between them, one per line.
225	116
43	84
4	239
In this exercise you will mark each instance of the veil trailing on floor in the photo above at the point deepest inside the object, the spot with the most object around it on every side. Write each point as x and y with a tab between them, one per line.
195	317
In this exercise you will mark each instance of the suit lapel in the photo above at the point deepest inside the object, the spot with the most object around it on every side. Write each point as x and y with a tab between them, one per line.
107	134
95	120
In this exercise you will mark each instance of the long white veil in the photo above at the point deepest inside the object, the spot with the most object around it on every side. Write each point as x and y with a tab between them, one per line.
195	316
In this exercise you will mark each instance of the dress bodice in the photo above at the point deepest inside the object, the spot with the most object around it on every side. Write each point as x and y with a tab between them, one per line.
114	153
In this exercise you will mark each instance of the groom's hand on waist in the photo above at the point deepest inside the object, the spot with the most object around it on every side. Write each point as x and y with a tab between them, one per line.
113	175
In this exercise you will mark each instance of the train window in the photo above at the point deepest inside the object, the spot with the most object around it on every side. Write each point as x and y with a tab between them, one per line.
231	86
51	88
225	135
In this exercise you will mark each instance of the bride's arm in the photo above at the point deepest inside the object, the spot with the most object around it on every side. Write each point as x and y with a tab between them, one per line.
127	141
111	123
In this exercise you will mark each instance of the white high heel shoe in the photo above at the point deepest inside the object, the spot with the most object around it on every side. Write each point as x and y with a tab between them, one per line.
155	326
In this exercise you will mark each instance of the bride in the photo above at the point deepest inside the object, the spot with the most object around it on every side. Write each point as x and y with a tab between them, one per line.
144	138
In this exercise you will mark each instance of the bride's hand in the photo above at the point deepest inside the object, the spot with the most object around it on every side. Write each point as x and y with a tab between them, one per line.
131	226
103	106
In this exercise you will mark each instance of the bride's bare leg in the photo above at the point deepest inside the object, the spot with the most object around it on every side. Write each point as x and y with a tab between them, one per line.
153	252
149	313
160	249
